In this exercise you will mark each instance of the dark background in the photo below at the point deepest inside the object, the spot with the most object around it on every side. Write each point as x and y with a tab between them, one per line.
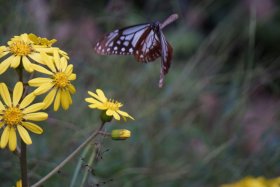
216	120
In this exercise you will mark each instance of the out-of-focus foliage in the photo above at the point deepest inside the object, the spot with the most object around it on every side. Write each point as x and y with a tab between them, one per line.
215	121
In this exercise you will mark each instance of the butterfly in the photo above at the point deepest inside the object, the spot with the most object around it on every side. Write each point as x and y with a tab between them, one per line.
145	41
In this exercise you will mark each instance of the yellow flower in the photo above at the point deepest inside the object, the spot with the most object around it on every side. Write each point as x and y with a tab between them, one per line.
255	182
19	183
112	108
120	134
23	50
16	113
58	84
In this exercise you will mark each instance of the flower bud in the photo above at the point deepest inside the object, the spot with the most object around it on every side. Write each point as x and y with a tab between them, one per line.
120	134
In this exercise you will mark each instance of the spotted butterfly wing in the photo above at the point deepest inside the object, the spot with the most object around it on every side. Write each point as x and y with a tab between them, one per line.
145	41
121	41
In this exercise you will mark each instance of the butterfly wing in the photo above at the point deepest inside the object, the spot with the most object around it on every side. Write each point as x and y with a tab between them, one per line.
121	41
148	47
166	57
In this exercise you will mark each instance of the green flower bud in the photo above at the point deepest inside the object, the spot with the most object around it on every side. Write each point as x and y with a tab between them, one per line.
120	134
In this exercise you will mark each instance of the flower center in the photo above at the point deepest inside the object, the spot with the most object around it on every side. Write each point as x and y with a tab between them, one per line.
113	105
12	116
20	48
61	80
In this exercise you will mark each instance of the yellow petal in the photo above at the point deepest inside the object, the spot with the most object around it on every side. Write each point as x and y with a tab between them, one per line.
92	106
33	127
64	100
41	69
57	101
15	62
92	100
98	106
48	61
3	53
69	69
6	64
27	64
5	137
12	139
96	96
1	124
72	77
17	93
101	95
116	115
38	116
5	94
109	112
2	107
63	53
36	57
39	81
43	88
46	50
33	108
125	114
56	59
69	97
101	107
49	98
24	134
27	100
71	88
63	64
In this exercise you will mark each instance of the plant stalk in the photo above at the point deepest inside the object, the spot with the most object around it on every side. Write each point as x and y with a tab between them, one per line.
69	158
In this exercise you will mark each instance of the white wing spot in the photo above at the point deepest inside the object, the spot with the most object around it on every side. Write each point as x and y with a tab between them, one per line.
108	49
99	48
122	37
119	42
111	44
126	43
130	50
115	48
128	37
123	49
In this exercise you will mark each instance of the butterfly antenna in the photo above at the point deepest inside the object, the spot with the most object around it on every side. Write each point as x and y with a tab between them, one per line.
169	20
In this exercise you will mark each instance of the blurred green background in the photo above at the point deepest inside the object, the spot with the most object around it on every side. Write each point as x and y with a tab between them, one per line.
216	119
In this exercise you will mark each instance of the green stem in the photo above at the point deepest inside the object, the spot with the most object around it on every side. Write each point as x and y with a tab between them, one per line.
23	157
23	165
69	158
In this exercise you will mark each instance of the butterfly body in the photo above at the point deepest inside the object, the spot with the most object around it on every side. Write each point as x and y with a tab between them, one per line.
145	41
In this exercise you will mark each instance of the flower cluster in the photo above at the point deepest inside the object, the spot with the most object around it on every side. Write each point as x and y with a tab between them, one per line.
18	112
32	53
